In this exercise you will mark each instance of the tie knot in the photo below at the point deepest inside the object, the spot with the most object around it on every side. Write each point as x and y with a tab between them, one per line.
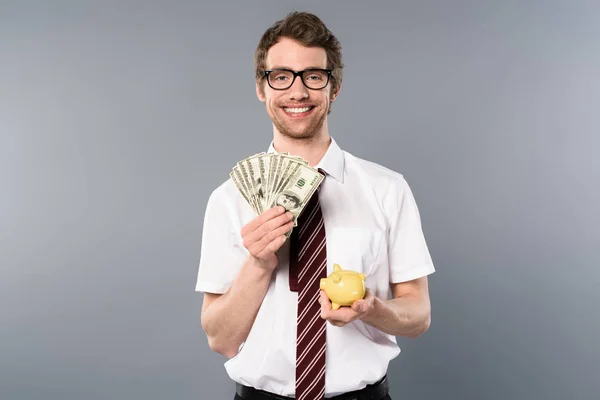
322	172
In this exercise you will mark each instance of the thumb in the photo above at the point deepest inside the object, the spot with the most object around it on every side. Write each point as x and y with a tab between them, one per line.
357	306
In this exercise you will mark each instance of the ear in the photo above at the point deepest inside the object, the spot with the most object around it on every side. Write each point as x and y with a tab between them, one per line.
336	277
335	94
259	92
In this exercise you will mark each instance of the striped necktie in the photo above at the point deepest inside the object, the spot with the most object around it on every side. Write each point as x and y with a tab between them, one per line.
308	264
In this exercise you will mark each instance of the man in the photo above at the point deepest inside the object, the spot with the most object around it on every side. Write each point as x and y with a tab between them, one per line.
262	306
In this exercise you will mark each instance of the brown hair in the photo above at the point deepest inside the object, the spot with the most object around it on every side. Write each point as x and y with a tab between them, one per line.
309	30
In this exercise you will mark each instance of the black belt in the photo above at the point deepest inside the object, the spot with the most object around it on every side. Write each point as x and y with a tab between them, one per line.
375	391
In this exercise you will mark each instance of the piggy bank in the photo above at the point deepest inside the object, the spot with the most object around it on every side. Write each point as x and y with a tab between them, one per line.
343	287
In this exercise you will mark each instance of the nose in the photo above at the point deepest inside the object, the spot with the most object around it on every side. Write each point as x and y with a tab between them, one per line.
298	91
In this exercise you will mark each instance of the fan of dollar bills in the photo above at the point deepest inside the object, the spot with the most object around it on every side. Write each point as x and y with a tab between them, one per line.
267	180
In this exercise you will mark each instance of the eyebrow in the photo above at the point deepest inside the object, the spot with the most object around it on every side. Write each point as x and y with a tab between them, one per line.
286	67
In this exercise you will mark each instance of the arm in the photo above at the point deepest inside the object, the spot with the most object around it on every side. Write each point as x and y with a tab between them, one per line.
227	318
408	313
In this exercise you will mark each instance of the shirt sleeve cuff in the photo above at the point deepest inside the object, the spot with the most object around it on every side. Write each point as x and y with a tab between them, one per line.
209	287
413	273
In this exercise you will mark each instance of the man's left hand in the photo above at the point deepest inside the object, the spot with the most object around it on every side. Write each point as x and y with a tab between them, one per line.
346	314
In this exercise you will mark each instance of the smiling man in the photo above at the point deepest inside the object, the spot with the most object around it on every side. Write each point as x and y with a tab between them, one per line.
263	308
297	111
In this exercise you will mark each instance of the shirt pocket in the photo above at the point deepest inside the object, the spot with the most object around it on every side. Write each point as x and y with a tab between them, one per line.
353	248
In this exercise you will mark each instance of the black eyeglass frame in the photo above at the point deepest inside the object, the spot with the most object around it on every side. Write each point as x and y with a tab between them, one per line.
296	74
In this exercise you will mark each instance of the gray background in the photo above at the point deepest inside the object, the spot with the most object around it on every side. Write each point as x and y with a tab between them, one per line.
117	119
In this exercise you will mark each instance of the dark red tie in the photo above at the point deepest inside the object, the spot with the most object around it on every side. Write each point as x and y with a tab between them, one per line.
308	264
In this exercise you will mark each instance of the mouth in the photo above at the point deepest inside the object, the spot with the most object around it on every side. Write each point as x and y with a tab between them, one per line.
298	111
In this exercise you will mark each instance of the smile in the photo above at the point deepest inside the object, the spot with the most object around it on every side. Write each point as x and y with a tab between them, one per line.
297	110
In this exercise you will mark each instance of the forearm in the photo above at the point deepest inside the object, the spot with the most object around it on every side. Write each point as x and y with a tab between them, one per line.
408	316
229	318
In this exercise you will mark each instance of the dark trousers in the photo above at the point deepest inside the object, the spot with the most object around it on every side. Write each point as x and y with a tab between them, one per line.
376	391
387	397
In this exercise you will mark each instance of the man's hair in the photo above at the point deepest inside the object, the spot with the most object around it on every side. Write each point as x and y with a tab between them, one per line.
309	30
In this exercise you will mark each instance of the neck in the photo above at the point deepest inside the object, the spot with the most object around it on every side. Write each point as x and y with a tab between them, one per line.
311	149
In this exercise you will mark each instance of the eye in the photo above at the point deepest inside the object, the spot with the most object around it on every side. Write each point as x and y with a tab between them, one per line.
316	76
279	76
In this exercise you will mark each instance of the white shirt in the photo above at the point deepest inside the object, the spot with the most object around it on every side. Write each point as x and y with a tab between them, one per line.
372	226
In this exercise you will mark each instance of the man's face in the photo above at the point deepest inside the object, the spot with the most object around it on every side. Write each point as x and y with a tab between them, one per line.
297	112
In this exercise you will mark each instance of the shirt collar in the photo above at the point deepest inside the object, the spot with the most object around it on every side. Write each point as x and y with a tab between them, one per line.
332	162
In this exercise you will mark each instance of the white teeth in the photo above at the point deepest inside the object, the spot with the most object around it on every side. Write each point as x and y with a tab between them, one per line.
297	110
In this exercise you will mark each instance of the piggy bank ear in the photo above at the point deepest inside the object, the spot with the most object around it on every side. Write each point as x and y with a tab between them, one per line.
336	277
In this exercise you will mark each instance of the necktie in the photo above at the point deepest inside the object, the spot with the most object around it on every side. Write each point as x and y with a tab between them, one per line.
308	264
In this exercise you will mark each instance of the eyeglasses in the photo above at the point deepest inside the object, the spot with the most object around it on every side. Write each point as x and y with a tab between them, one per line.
282	79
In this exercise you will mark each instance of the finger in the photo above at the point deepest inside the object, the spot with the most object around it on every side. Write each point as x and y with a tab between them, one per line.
267	232
272	241
273	246
359	306
325	303
344	315
267	227
261	219
348	316
250	232
325	311
323	297
275	223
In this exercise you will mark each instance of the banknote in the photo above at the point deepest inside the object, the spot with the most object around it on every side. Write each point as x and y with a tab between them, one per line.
266	180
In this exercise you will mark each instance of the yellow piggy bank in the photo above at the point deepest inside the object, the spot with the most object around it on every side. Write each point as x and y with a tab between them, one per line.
343	287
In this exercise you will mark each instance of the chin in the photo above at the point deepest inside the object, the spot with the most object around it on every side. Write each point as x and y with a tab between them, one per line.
296	134
306	132
301	135
300	130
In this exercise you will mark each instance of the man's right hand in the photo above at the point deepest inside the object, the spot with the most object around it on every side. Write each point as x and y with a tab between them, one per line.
265	234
